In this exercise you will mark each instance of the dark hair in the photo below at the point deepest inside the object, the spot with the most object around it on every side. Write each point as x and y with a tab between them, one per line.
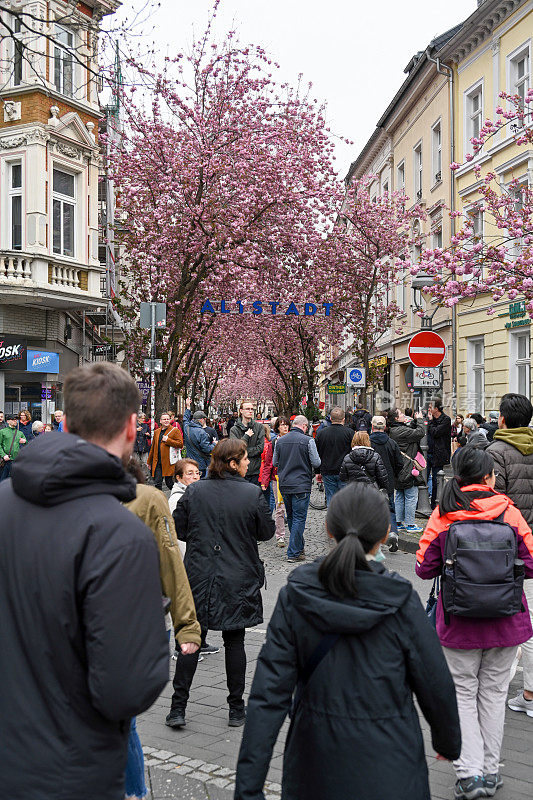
470	465
408	412
516	410
99	399
134	468
438	405
358	518
279	421
179	466
478	418
225	451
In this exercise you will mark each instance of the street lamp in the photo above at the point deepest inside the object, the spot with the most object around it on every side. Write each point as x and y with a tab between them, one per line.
418	283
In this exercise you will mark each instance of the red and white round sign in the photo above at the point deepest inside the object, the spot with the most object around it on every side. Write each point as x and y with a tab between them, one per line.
426	349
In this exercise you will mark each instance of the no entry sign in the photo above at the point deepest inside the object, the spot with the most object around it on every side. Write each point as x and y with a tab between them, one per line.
426	349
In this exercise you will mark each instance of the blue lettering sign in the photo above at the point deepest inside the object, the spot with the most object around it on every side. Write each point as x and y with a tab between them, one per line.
309	310
257	307
292	309
223	309
207	307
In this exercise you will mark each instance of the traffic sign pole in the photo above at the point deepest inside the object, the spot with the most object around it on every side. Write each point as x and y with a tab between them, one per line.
152	373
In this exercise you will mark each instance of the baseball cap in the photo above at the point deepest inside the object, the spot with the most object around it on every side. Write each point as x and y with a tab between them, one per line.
379	422
199	415
494	415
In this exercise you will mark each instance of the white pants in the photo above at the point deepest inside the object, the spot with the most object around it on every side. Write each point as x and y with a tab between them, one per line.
527	647
481	680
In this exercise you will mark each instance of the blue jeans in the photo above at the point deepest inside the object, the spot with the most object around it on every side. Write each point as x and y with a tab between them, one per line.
296	505
269	497
406	500
5	470
392	507
135	785
332	484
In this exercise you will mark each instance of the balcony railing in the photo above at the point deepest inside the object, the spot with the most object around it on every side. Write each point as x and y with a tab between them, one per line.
22	269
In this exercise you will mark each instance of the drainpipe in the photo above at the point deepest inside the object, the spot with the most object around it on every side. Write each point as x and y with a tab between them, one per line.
444	69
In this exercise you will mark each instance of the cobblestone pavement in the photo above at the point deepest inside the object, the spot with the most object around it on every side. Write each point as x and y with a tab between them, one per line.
198	762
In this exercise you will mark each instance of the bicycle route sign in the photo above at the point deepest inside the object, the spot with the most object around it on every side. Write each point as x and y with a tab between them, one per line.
357	377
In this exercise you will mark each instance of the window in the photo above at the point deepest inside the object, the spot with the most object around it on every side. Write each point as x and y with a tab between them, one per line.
436	237
63	61
474	113
15	204
417	162
520	73
475	216
475	363
386	187
436	148
401	177
400	295
18	52
63	212
520	363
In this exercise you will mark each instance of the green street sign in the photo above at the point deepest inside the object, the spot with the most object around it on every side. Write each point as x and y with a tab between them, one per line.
336	388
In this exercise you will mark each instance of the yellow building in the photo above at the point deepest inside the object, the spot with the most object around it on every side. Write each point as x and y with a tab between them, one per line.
491	53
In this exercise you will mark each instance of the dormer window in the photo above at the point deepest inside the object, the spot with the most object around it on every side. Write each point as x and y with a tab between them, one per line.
63	61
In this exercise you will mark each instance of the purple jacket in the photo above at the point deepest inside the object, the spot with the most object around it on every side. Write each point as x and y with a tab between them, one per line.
468	633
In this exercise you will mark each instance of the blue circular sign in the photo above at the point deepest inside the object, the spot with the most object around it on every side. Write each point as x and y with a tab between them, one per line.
356	375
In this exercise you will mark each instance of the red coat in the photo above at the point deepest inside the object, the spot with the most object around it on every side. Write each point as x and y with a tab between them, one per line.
268	471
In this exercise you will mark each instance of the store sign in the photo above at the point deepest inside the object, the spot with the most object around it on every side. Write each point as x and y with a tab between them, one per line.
336	388
426	377
265	307
12	352
42	361
144	389
379	361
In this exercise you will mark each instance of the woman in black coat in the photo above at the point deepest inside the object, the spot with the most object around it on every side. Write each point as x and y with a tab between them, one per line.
222	518
363	464
354	731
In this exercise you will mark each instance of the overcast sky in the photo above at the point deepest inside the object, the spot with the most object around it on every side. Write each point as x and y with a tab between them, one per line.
353	52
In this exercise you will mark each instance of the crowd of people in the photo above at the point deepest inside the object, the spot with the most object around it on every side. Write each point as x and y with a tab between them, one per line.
105	577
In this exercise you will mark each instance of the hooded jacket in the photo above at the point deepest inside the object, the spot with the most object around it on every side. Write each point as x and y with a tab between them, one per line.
358	703
440	436
408	438
362	420
222	519
390	455
512	451
83	647
152	507
468	633
254	443
196	441
363	464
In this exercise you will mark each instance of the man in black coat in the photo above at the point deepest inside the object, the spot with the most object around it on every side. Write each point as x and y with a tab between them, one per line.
440	430
252	433
83	642
393	461
361	419
332	444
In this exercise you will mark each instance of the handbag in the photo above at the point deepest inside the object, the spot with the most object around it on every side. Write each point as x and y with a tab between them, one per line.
431	605
174	455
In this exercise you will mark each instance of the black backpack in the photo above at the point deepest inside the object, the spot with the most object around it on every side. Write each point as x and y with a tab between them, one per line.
482	574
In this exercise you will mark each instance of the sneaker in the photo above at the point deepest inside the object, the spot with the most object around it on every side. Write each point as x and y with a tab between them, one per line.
519	703
237	717
176	719
392	541
209	650
280	543
400	526
492	784
413	529
470	788
294	559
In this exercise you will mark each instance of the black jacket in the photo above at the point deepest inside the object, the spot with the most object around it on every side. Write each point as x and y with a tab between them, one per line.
491	428
440	431
362	420
83	643
254	443
142	440
333	444
222	520
358	703
408	438
390	455
364	465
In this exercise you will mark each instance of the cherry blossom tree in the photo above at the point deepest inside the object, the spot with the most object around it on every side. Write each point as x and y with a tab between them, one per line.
226	181
373	241
499	263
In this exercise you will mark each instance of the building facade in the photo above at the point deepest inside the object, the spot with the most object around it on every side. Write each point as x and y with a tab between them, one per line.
492	53
52	285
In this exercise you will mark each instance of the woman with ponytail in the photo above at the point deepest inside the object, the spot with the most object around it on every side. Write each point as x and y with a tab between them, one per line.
347	647
479	649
